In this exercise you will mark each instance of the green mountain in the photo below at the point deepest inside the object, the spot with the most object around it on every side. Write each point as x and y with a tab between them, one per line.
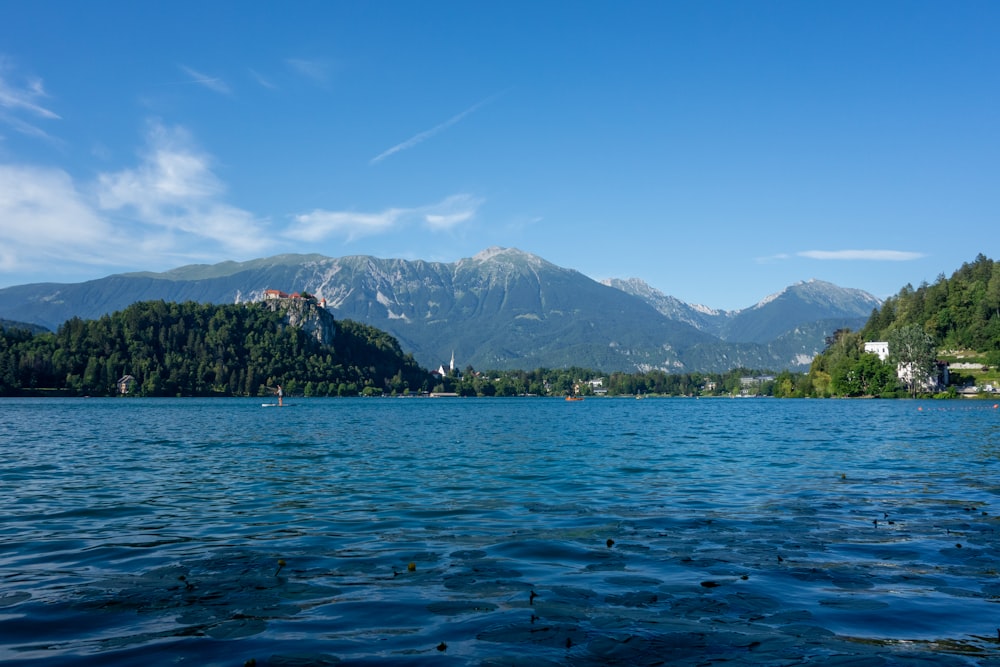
501	309
192	349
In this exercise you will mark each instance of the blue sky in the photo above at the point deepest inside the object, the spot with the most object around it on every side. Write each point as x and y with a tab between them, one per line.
720	151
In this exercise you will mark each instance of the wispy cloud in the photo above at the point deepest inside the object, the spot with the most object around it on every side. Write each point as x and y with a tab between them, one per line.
437	129
213	83
320	224
867	255
262	80
22	98
773	258
169	207
316	70
451	212
351	225
48	221
175	189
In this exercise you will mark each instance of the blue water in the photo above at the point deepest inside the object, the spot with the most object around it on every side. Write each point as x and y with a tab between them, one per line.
498	531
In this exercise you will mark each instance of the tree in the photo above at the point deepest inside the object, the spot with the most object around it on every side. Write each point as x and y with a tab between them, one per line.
865	376
992	299
912	351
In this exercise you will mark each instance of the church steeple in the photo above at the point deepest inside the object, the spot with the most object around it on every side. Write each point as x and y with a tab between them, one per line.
452	366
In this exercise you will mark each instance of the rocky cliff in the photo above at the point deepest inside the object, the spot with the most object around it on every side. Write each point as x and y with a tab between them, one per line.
307	315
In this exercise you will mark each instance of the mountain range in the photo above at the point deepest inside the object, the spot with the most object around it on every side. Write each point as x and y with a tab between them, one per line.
501	309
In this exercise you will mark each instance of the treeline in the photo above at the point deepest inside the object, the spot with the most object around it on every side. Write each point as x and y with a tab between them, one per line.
192	349
958	313
578	381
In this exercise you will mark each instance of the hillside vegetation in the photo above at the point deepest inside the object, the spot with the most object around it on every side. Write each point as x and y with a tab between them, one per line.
192	349
961	312
955	317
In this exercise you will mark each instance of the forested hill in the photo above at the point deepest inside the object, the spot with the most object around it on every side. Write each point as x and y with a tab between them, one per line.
955	315
192	349
961	312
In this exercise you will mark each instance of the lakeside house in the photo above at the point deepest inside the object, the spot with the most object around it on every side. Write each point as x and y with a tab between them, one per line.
750	386
879	347
905	371
597	387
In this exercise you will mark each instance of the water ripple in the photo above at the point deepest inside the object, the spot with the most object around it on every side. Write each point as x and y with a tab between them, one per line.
211	532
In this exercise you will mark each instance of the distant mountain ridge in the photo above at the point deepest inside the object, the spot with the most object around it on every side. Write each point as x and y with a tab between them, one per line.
502	308
700	317
805	301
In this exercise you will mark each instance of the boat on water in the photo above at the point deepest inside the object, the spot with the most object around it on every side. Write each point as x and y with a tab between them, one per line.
574	398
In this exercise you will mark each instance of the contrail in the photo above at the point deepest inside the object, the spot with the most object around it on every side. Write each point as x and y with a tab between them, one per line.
427	134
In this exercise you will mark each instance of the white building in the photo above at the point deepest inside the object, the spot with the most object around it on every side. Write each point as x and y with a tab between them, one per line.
881	348
442	371
905	371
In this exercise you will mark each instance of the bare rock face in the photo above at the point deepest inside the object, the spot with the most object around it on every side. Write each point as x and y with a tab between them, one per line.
307	315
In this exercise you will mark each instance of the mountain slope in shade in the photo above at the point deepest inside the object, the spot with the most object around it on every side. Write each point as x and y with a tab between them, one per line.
502	309
703	318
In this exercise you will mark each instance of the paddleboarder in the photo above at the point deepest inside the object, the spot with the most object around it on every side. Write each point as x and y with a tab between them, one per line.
281	395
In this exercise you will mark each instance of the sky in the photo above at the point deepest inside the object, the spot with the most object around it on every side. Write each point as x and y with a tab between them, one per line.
719	151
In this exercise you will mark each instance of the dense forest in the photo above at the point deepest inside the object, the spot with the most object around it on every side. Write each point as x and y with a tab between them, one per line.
192	349
954	316
959	313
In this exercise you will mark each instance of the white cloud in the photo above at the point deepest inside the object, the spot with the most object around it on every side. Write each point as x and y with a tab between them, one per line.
871	255
174	188
213	83
47	220
451	212
170	207
172	170
439	221
320	224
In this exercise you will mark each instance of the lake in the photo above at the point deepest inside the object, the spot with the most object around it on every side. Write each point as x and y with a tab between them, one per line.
499	531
